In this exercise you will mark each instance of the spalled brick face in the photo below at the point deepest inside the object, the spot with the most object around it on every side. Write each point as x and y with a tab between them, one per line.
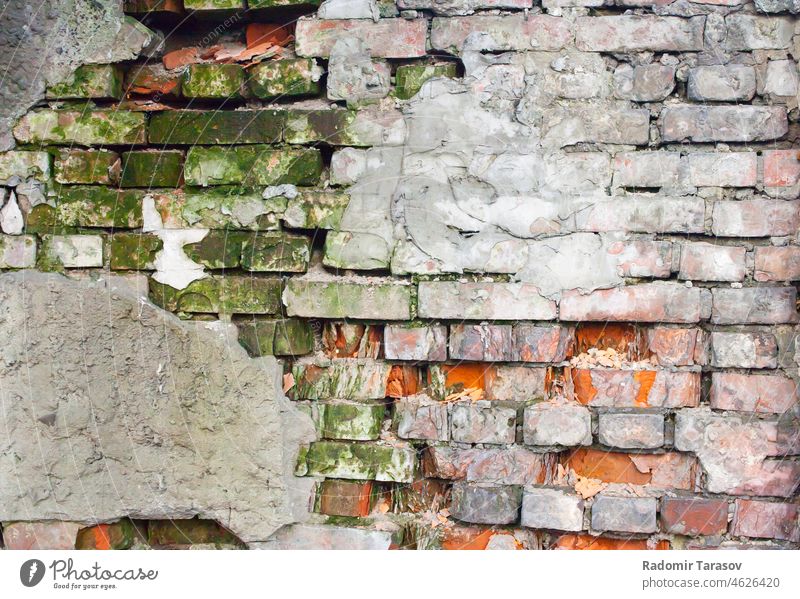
547	302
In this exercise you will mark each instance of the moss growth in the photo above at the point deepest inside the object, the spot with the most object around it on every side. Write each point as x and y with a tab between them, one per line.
117	535
276	252
409	78
292	77
134	251
352	421
87	166
220	295
149	168
24	165
188	532
213	81
287	337
316	210
191	127
252	165
86	127
89	206
217	250
101	81
360	461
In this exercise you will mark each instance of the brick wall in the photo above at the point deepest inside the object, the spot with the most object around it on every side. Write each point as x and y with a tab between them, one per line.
531	268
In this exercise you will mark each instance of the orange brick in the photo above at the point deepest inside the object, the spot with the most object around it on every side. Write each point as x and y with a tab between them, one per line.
626	339
588	542
664	470
345	498
462	537
403	381
467	375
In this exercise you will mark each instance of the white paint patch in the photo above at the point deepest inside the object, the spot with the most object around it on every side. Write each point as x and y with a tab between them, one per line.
11	220
173	266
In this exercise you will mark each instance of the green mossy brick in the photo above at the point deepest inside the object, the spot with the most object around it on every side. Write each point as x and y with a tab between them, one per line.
351	421
87	166
220	295
95	206
224	207
85	128
134	251
213	81
41	219
217	250
188	532
289	77
21	165
286	337
152	168
99	81
209	127
252	165
117	535
409	78
341	379
359	461
316	210
213	5
276	252
329	126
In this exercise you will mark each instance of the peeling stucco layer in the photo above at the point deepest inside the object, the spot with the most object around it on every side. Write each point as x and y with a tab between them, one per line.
112	407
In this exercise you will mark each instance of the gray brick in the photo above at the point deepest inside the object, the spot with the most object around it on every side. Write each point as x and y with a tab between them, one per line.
631	431
484	504
552	424
624	514
555	509
480	422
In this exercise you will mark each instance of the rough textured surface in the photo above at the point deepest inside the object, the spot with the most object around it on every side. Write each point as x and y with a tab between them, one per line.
150	423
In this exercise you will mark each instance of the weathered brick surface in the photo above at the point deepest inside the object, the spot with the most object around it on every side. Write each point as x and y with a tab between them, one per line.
624	514
694	516
539	300
766	519
753	392
743	350
651	302
635	388
631	431
485	504
387	38
555	509
554	424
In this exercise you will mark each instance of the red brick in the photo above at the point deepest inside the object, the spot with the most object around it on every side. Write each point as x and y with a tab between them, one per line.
755	218
764	393
347	340
777	263
647	169
764	519
728	169
591	542
403	381
536	343
386	38
512	466
267	33
635	388
650	302
40	535
625	339
665	470
458	377
466	538
673	347
754	305
415	343
643	258
694	516
345	498
180	58
514	383
702	261
481	342
781	168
